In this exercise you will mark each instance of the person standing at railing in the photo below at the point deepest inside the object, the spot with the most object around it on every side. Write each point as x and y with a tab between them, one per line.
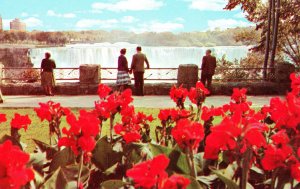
123	79
138	68
47	77
208	67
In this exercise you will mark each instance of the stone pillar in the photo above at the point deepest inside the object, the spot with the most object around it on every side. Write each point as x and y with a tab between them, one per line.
89	74
187	75
283	71
1	82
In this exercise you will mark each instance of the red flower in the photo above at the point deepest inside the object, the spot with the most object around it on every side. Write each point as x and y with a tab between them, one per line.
89	123
197	95
295	171
280	138
239	95
188	134
175	182
3	118
20	121
13	170
103	90
87	143
173	114
132	137
178	95
130	132
285	113
207	113
295	85
149	173
275	157
50	110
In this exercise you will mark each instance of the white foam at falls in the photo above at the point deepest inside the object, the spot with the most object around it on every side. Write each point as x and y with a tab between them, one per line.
106	54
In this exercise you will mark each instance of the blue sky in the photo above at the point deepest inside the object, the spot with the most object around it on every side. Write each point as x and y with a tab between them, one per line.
129	15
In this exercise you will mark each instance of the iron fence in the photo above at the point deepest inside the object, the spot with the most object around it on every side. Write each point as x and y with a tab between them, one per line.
151	75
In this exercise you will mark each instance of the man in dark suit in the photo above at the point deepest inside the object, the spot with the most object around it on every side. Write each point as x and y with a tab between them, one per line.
138	68
208	67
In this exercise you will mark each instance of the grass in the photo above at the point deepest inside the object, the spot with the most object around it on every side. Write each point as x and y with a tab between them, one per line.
40	130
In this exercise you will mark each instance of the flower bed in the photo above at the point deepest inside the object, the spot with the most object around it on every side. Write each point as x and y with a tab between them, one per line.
247	149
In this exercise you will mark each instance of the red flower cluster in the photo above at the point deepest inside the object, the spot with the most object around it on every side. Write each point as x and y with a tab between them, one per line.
13	170
285	113
19	121
132	124
173	115
113	103
178	95
239	95
207	113
197	95
295	85
188	134
103	90
82	132
50	110
152	173
235	134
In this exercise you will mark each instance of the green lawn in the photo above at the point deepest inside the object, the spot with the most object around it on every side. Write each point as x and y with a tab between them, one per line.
39	130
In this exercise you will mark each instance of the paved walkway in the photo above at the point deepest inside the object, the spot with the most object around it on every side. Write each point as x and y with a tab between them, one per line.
146	101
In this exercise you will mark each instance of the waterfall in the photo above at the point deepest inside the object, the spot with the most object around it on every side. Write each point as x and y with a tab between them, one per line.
106	54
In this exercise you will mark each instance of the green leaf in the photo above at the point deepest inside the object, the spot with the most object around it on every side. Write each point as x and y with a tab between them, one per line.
66	178
37	161
194	183
104	156
61	159
158	149
207	180
228	181
43	147
113	184
13	140
178	160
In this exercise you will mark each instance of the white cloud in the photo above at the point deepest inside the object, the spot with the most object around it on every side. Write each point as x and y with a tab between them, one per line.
89	23
207	5
129	19
155	26
24	14
65	15
129	5
33	22
180	19
226	23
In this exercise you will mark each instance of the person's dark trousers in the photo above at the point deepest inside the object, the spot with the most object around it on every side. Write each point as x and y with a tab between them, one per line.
139	83
206	79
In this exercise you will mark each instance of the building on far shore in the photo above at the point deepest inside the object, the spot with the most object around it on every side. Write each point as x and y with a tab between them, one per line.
17	25
1	24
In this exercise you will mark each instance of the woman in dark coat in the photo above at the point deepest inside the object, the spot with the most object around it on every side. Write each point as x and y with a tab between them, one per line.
123	79
47	77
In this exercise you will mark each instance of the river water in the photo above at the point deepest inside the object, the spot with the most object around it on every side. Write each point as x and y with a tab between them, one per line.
106	54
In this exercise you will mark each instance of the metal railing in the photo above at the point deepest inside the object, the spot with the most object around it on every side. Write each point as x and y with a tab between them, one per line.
18	74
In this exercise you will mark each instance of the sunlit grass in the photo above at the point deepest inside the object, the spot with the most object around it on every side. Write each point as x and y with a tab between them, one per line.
40	130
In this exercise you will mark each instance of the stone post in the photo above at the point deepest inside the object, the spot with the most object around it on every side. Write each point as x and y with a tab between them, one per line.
283	71
1	76
89	74
187	75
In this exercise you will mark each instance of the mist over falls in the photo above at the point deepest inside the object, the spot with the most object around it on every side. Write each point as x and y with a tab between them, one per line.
106	54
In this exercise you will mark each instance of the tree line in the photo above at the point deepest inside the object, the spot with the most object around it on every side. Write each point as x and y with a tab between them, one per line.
229	37
279	23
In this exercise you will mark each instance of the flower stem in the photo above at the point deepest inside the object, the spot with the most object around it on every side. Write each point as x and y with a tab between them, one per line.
191	163
80	169
112	118
245	168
